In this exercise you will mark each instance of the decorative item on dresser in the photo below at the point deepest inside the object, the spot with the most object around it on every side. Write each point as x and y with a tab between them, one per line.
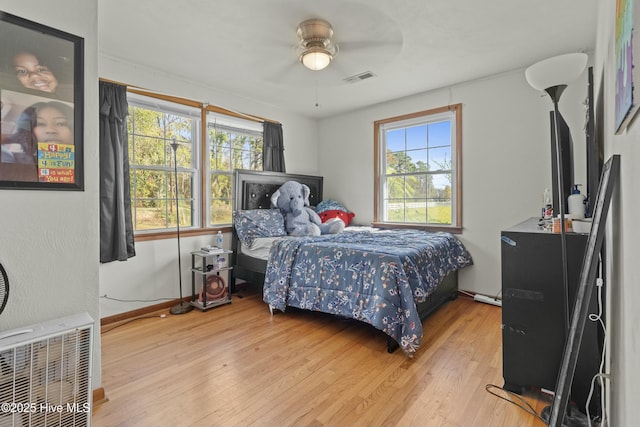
390	279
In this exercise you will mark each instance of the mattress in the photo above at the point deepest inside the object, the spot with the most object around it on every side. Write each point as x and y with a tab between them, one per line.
259	248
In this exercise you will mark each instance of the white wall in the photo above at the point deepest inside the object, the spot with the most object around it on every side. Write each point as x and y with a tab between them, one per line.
49	239
153	272
506	153
623	234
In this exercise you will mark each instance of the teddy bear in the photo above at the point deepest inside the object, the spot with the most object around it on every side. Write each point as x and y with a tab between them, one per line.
292	198
328	209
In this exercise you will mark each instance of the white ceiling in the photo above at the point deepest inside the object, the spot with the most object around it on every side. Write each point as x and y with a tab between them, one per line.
247	47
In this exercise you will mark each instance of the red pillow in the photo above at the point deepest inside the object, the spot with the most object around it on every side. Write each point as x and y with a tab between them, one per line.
344	216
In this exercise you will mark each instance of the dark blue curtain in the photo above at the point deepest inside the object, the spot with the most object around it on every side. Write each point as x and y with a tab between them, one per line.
116	225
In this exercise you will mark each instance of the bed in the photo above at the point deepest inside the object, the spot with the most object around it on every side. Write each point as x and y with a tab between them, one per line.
390	279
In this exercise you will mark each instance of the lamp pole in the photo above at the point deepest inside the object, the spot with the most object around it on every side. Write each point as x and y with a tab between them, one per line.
555	92
182	307
552	76
558	411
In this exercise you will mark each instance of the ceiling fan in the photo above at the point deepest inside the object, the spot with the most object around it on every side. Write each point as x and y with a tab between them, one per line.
327	45
318	50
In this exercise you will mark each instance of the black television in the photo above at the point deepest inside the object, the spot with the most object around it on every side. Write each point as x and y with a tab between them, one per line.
566	162
595	152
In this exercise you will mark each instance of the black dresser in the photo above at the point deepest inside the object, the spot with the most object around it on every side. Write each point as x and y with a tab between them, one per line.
533	312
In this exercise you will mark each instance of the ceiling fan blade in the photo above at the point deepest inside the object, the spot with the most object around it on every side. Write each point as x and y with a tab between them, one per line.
284	73
370	47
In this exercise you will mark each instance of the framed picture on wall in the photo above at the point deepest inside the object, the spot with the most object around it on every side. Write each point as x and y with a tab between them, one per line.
41	95
626	50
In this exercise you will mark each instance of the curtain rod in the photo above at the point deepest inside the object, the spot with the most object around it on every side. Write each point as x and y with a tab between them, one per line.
205	105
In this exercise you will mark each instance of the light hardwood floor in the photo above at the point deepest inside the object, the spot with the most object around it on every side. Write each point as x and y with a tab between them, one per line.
235	365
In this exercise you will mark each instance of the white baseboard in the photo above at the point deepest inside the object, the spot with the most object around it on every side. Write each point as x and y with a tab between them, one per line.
487	300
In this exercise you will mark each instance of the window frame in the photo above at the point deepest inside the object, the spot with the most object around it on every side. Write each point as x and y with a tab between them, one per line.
228	124
200	190
456	162
189	111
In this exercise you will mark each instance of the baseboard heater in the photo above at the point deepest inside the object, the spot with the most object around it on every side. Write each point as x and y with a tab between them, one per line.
45	373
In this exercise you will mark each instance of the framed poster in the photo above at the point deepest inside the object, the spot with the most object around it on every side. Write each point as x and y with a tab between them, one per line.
626	76
41	101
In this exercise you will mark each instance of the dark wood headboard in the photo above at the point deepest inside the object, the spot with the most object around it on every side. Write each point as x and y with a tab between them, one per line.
253	189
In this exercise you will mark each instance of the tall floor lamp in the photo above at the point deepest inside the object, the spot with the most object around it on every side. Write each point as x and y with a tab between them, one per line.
552	76
182	307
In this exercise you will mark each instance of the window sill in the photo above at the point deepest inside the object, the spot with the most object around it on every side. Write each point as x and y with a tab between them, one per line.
160	235
446	228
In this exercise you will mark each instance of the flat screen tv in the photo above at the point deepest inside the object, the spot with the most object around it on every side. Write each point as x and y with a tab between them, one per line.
566	160
595	154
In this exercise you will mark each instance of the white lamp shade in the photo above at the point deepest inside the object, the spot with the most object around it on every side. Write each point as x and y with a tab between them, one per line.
315	58
559	70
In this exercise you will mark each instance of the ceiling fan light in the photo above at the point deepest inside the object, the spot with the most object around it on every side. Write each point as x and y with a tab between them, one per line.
316	58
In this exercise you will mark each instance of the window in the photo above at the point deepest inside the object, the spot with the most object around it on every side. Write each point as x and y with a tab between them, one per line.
418	169
152	125
205	181
233	143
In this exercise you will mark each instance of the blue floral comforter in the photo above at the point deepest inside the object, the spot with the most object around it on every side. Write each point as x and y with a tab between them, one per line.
373	276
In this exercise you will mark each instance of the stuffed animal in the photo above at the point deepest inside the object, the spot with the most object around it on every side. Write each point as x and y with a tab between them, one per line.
335	213
292	198
328	209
